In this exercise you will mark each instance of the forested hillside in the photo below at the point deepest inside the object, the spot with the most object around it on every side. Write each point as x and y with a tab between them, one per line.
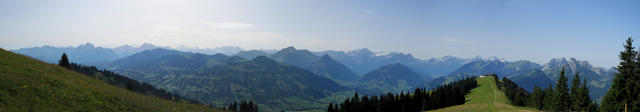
220	80
421	99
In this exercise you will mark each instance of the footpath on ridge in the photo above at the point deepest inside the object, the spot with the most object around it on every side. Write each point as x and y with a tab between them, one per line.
485	98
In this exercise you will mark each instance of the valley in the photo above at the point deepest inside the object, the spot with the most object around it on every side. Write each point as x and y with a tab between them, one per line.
301	80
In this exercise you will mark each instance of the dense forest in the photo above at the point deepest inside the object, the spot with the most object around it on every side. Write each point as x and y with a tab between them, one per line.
421	99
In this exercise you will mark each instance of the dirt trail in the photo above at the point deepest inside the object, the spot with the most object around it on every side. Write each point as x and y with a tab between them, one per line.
495	92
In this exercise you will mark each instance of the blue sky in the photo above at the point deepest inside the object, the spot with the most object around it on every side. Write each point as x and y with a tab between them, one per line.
536	30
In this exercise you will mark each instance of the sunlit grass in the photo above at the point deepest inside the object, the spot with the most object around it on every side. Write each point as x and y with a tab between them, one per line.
30	85
486	98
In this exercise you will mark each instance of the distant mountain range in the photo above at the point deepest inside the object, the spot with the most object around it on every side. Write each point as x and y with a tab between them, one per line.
226	50
200	76
500	67
364	60
528	74
276	77
127	50
85	54
92	55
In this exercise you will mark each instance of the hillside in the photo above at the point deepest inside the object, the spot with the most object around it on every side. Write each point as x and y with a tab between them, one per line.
28	85
485	98
326	66
219	80
392	77
301	58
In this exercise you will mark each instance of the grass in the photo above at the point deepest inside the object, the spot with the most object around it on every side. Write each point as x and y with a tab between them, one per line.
27	84
486	98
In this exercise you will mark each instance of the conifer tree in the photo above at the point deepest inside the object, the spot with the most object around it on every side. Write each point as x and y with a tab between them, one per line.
536	98
330	108
576	94
548	99
64	61
584	98
621	91
561	93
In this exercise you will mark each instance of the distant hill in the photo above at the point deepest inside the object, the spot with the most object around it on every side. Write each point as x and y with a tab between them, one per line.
393	77
84	54
31	85
250	54
323	66
326	66
219	79
534	78
290	55
157	58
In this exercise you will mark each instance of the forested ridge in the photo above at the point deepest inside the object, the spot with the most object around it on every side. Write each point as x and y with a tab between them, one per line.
420	100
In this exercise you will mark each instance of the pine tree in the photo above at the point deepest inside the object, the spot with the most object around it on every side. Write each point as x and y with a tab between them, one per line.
585	100
64	61
330	108
536	98
255	108
234	107
621	91
576	94
561	93
548	98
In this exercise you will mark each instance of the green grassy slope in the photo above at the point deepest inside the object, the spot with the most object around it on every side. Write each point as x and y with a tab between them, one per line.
30	85
485	98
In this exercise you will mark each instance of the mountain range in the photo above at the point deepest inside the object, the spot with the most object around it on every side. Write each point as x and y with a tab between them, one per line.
390	78
528	74
299	79
86	53
200	76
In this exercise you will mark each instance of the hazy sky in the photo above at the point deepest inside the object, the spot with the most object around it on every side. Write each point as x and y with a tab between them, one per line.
536	30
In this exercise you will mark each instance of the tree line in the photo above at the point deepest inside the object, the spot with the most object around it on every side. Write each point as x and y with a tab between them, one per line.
244	106
420	100
560	98
121	81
